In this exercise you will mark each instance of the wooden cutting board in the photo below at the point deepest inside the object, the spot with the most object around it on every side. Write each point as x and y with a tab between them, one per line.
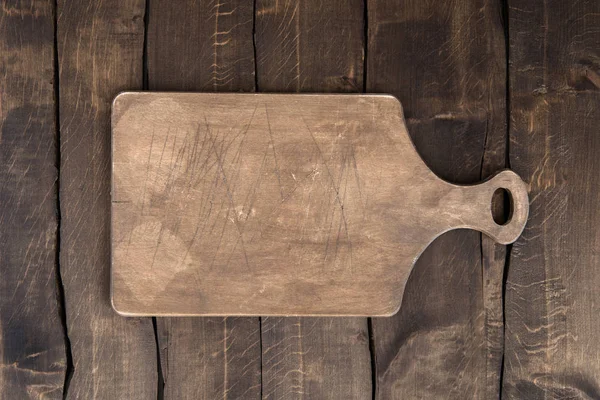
275	204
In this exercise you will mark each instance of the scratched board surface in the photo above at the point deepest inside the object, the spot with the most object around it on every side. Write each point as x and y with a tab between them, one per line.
233	204
468	74
236	204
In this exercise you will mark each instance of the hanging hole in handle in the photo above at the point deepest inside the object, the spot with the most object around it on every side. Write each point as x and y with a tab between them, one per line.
502	206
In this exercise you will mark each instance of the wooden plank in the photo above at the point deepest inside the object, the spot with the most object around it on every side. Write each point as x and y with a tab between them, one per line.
200	46
299	48
495	157
309	47
316	358
205	46
446	65
32	347
100	50
209	358
552	327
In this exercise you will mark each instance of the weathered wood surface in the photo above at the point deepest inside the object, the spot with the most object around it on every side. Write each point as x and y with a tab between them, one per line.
32	347
304	46
200	46
435	350
100	48
552	307
446	65
316	358
205	46
299	48
210	358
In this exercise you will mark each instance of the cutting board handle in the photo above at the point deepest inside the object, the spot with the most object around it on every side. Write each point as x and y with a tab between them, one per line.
478	214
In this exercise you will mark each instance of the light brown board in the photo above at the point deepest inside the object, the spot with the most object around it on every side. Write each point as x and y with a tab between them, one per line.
236	204
299	48
100	52
32	346
552	306
205	46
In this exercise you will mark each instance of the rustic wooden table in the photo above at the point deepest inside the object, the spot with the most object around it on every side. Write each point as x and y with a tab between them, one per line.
484	84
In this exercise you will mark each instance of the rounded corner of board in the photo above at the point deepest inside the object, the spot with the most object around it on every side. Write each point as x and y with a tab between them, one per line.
389	313
121	103
123	312
387	310
122	98
390	98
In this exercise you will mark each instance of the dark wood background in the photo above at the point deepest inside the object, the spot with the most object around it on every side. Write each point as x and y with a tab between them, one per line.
485	84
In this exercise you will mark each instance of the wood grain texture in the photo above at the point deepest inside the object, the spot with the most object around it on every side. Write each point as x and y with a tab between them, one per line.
250	204
299	48
552	303
100	47
205	46
495	158
210	358
32	348
308	46
446	65
316	358
200	45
